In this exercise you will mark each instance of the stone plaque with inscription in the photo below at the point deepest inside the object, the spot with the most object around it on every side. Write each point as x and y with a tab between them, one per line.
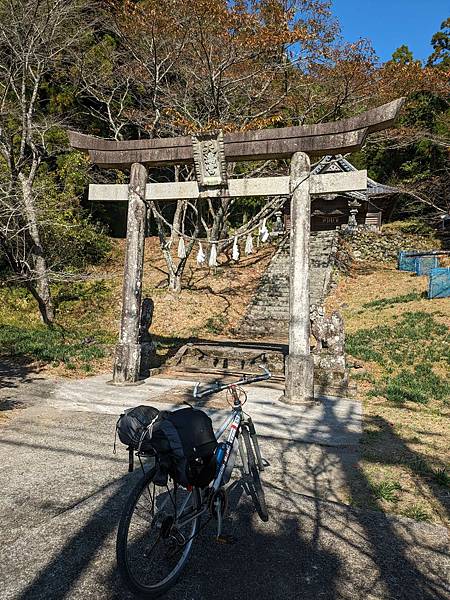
209	159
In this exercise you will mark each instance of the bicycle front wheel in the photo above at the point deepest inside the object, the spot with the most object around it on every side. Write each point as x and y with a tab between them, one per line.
256	488
155	535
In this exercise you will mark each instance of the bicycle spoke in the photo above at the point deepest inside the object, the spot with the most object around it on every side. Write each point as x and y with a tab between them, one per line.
154	543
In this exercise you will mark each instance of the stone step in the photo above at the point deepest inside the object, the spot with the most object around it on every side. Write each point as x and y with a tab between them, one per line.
268	312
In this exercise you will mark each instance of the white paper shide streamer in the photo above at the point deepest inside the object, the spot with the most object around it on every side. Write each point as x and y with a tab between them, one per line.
200	254
235	254
249	244
181	248
213	256
263	231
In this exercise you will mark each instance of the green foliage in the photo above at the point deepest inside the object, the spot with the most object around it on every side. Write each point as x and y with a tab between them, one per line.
420	385
52	345
417	513
408	226
71	238
407	351
93	293
386	490
421	163
442	477
216	324
441	47
402	55
385	302
416	337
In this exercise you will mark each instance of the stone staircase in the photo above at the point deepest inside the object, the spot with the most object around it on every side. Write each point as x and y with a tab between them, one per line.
267	315
264	329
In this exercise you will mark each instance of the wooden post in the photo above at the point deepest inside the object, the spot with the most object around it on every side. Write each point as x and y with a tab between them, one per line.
300	366
128	351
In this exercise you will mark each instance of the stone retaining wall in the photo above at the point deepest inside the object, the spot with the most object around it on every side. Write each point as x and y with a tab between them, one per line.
366	244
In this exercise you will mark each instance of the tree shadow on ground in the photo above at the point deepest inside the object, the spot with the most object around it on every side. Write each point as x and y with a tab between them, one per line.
402	576
15	377
310	549
390	449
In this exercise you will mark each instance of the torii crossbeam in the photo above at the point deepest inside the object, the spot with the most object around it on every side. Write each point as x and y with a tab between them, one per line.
337	137
210	154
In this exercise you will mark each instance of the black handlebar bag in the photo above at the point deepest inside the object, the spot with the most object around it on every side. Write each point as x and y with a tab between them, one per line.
184	441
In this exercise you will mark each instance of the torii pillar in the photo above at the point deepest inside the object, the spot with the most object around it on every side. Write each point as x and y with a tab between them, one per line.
128	351
300	366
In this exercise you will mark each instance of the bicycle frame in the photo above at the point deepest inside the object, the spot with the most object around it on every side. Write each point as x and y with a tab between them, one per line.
234	422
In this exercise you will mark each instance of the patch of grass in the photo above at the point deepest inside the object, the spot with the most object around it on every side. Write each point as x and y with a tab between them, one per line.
384	302
93	292
364	376
419	385
386	490
415	338
416	512
441	477
419	465
52	345
216	324
408	350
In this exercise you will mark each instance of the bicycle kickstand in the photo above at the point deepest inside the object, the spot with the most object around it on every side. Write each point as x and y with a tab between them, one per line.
222	538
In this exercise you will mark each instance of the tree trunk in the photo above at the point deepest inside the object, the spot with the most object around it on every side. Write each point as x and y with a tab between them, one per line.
175	271
175	281
178	212
39	285
219	222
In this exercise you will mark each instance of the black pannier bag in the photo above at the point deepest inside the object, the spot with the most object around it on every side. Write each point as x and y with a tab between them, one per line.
132	426
185	443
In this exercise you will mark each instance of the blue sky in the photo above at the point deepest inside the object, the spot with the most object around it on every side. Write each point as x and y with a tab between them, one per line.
391	23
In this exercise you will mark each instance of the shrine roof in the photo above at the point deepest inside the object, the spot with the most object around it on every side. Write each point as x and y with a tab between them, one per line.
336	163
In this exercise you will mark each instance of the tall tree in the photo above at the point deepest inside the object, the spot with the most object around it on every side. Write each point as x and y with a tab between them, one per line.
441	47
413	156
35	38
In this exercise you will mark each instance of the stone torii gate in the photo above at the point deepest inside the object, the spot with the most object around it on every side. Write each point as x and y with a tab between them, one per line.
209	153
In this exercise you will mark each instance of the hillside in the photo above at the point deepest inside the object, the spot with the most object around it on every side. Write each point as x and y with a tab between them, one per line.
399	344
88	312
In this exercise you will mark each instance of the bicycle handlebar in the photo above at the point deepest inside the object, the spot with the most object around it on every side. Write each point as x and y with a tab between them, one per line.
217	387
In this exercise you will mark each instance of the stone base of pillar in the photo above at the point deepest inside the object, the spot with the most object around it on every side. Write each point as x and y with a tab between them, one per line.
299	380
127	364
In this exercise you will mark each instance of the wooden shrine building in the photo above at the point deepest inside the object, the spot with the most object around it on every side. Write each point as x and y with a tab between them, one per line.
370	207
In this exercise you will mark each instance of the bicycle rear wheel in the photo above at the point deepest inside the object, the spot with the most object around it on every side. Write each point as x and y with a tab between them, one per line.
155	535
256	488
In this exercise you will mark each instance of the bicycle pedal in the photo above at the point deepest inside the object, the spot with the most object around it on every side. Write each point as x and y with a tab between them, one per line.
226	539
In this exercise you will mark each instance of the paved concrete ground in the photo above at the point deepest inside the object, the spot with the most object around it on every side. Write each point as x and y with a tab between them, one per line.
333	422
63	489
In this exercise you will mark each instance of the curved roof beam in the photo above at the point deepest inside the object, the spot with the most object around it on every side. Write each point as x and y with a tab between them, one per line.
336	137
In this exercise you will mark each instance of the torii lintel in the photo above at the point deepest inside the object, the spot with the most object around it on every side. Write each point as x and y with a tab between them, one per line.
336	137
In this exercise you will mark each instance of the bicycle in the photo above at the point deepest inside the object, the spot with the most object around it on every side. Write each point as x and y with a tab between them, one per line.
161	519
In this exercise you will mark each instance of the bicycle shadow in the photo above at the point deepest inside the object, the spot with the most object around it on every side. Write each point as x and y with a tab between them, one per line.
310	548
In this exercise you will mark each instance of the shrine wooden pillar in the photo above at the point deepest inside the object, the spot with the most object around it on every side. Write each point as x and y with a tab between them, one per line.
128	351
300	366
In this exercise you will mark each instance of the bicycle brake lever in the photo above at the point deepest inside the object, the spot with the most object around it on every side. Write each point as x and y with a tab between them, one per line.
195	392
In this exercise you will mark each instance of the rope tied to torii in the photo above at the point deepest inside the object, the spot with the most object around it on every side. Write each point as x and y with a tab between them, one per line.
259	222
211	173
255	222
